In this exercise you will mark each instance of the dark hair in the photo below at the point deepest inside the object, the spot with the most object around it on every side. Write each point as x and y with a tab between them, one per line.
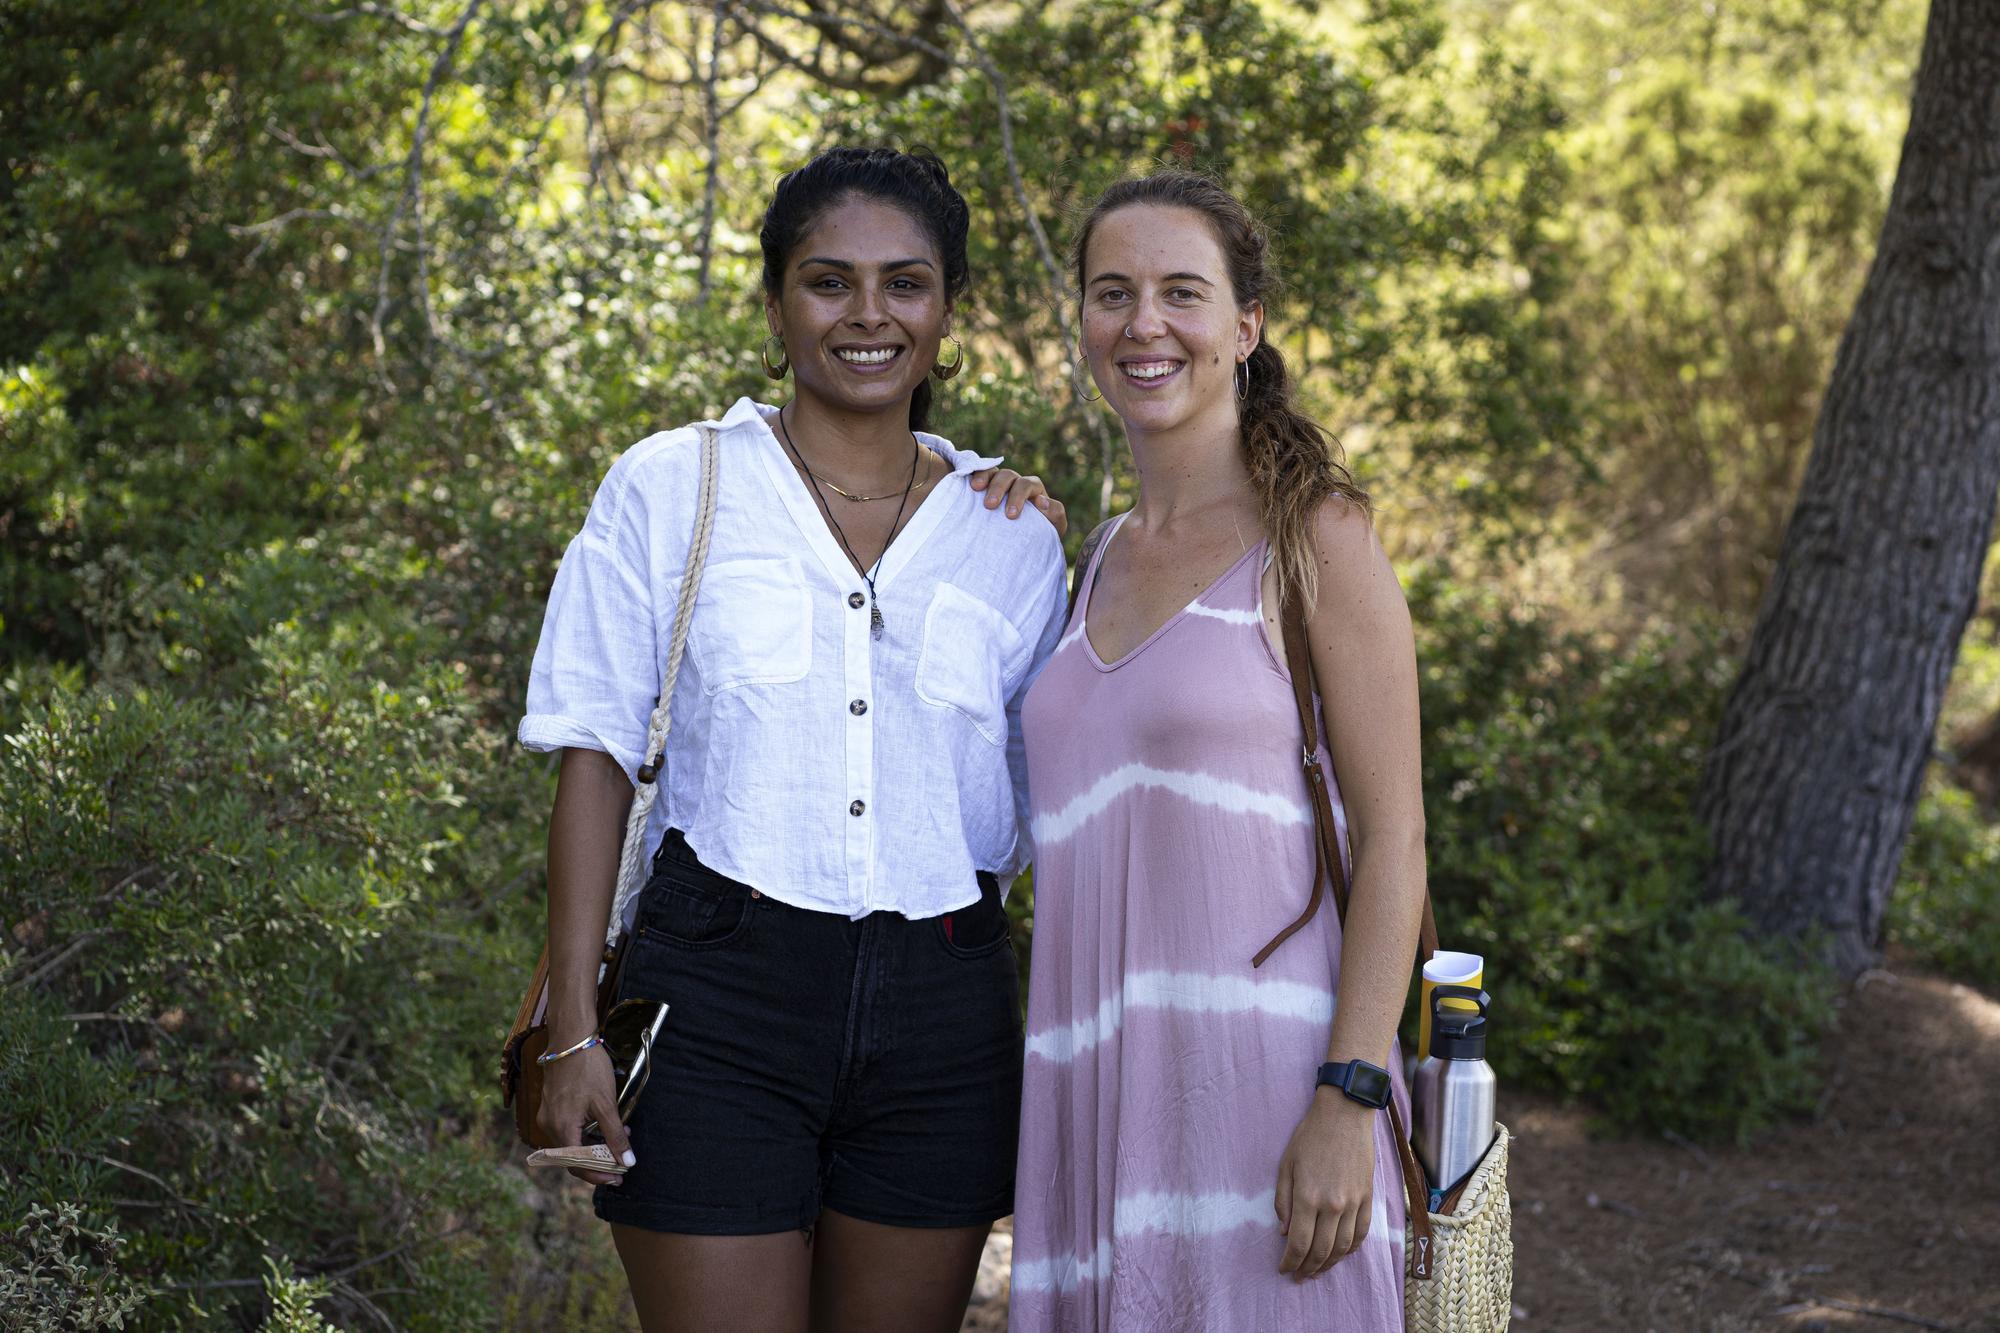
915	182
1294	461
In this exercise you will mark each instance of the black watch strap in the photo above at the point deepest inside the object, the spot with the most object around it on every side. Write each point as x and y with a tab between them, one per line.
1358	1080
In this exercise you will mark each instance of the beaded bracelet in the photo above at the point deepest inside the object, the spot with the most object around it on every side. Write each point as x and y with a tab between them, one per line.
550	1057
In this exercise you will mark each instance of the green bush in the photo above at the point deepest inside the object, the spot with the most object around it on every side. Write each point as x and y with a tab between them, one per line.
256	965
1559	778
1946	909
58	1275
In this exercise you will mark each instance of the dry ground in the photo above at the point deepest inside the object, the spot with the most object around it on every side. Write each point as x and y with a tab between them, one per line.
1883	1213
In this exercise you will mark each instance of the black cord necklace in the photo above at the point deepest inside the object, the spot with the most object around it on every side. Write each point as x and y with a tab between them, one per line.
867	575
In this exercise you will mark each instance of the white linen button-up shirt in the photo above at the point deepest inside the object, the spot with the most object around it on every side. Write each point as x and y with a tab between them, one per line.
823	766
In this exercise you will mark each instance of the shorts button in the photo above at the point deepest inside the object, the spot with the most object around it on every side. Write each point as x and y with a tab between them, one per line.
857	808
858	707
856	600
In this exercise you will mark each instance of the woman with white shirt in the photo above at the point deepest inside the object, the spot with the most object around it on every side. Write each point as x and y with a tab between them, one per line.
840	805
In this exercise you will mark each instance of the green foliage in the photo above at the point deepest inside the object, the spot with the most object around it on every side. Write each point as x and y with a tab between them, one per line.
154	402
1946	908
291	1299
253	948
58	1274
1726	169
1559	776
1408	187
290	440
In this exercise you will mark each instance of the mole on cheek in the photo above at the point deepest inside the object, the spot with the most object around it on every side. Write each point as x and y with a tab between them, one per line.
1215	360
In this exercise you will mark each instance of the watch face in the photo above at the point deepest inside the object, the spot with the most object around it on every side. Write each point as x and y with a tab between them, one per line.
1368	1084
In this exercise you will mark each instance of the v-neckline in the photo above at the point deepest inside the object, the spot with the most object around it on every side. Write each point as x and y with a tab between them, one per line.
812	522
1090	596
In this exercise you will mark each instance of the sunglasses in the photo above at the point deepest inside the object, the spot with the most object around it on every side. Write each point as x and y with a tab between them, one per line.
629	1031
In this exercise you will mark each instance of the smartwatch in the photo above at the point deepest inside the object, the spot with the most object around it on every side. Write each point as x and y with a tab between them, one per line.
1359	1080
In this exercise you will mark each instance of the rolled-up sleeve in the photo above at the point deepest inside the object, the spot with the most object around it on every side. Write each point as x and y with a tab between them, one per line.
596	666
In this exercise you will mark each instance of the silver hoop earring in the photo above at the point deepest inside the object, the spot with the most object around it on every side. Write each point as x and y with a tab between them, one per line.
1076	383
1242	380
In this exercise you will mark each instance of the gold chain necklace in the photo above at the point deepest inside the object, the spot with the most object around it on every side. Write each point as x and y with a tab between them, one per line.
875	622
860	499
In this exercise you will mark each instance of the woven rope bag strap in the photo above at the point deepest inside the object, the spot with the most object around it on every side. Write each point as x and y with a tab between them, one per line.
632	858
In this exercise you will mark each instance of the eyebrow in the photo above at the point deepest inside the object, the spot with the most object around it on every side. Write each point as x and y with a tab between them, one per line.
847	266
1171	277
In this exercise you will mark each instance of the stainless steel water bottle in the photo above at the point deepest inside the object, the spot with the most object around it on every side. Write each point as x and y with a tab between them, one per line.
1453	1095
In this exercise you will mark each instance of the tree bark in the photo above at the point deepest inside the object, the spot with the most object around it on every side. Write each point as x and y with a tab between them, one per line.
1814	779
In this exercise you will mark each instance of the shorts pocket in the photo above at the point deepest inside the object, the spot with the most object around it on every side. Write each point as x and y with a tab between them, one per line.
752	625
977	930
967	646
689	906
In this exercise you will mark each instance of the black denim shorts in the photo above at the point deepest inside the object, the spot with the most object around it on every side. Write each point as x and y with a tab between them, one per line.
809	1061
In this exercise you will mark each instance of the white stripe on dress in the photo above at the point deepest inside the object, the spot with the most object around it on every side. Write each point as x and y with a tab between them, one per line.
1174	1214
1251	617
1183	992
1064	1274
1200	788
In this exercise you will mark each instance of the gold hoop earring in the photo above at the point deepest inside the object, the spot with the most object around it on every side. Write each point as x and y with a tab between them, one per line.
1076	385
778	371
1242	380
944	372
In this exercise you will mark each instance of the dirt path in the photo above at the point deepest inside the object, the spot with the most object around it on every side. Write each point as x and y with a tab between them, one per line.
1882	1214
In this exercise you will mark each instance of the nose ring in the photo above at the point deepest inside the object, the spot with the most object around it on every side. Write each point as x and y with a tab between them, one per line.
1129	334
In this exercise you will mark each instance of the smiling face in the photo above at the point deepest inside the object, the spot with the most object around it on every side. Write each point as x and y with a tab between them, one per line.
1161	328
861	307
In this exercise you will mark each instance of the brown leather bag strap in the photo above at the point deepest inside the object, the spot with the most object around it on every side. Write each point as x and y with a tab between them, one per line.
1327	865
1422	1249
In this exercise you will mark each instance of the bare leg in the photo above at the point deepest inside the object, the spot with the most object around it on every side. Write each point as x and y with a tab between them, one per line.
716	1284
882	1279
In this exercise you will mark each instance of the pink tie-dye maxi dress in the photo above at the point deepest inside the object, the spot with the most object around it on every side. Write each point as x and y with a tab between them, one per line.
1173	839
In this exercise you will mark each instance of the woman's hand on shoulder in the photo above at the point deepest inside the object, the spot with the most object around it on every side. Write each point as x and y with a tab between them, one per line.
1004	485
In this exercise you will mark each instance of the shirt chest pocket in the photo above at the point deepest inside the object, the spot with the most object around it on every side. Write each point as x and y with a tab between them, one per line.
963	664
752	625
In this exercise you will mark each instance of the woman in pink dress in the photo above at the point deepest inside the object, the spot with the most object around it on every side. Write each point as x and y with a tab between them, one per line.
1202	1140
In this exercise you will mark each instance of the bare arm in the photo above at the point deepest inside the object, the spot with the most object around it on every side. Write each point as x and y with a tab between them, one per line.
1364	659
1364	656
586	831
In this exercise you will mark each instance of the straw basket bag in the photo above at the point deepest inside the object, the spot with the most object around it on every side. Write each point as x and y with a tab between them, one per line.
520	1073
1471	1285
1460	1260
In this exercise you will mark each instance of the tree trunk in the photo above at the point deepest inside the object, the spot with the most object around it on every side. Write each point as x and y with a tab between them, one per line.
1815	775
